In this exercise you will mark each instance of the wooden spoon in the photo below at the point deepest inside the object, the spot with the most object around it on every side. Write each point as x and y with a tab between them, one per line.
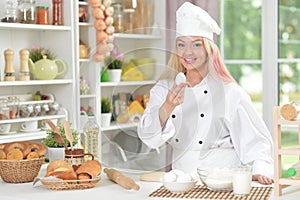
58	138
68	133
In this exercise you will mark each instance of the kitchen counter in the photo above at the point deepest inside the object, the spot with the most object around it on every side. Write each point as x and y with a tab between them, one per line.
105	190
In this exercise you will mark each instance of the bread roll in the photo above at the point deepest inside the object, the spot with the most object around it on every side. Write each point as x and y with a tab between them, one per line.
61	169
92	168
65	175
56	164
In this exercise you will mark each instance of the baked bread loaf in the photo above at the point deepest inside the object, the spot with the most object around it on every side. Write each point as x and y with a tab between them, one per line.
61	169
89	169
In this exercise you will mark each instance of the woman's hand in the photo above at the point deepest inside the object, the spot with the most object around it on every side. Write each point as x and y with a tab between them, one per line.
262	179
174	98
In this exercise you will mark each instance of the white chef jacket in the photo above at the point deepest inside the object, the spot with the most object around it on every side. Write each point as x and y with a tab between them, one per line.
215	126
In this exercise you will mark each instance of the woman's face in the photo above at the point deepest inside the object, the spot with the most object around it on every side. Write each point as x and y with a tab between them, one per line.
191	52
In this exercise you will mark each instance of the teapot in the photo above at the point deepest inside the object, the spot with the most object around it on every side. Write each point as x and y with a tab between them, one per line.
46	69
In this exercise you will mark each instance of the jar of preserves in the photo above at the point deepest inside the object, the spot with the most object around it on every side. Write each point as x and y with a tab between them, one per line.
118	18
42	15
27	11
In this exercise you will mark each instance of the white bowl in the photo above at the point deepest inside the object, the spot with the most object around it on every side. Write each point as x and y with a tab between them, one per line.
220	181
179	187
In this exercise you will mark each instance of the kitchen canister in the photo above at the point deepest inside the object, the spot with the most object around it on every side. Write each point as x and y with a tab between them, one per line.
42	15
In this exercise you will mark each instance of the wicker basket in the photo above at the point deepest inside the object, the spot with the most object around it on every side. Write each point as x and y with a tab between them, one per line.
20	171
71	184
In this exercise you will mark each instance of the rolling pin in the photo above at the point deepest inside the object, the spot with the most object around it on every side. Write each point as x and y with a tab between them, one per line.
121	179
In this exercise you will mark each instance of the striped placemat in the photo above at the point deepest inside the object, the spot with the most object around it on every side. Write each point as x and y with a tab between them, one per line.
199	191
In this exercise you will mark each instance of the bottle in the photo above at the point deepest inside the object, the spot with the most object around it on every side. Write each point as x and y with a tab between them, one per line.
57	12
294	171
91	133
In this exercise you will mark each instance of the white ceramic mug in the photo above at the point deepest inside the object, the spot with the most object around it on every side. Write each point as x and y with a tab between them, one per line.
5	128
30	125
45	126
242	178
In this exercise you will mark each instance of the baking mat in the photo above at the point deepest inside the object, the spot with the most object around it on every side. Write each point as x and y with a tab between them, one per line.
200	192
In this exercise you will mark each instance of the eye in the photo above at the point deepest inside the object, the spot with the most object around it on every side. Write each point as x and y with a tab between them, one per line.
180	45
197	45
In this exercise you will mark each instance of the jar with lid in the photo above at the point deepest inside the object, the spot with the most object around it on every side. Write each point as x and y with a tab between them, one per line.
27	11
128	20
118	18
11	7
91	133
42	15
57	12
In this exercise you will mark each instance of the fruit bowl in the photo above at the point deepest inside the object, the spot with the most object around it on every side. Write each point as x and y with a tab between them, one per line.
219	180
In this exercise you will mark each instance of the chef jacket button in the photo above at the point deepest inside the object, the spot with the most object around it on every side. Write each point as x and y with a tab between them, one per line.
202	115
173	116
200	142
205	91
176	140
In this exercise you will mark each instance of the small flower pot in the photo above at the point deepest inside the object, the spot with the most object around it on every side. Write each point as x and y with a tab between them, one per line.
105	119
114	75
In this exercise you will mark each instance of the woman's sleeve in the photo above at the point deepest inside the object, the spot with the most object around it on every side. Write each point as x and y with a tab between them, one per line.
251	138
150	130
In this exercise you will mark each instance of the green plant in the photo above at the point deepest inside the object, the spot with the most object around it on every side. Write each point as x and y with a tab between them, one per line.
106	105
49	140
113	63
37	53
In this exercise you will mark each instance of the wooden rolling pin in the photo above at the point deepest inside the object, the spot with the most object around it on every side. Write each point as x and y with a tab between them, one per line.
121	179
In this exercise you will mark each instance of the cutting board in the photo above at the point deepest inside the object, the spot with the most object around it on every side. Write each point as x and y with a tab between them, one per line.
152	176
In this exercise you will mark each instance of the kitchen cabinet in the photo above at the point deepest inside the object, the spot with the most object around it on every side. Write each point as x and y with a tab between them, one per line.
279	151
58	39
121	147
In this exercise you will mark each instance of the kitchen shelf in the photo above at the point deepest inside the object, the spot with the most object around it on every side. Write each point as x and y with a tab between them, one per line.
127	83
18	120
85	24
36	82
19	136
279	182
84	60
83	3
33	27
114	126
87	96
137	36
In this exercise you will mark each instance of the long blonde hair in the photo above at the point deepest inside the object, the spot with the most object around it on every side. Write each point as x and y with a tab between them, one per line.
216	65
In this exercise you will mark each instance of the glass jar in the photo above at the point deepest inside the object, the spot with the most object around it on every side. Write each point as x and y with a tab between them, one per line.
27	11
128	20
42	15
91	132
118	18
10	11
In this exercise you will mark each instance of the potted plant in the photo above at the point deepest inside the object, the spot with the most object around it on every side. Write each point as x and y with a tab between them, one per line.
106	109
56	151
114	68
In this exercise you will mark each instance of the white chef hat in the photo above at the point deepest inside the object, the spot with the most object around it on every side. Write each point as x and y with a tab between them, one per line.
192	20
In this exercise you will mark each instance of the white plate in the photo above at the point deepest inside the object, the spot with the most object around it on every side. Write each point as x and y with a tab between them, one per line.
8	133
28	131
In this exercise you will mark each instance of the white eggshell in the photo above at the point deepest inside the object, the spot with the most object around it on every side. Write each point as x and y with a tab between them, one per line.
177	172
180	78
194	175
184	178
170	177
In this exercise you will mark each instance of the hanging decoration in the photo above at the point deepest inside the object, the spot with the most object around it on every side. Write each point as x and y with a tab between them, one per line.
102	11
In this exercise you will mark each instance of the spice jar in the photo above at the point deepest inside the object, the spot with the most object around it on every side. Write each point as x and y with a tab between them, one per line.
118	18
57	12
9	71
10	11
42	15
128	20
27	11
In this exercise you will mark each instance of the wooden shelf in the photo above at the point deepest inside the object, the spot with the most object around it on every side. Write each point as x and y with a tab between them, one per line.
38	27
36	82
279	182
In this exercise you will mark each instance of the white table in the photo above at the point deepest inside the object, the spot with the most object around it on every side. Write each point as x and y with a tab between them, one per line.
105	190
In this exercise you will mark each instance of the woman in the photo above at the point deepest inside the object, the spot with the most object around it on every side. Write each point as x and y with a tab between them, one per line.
208	120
